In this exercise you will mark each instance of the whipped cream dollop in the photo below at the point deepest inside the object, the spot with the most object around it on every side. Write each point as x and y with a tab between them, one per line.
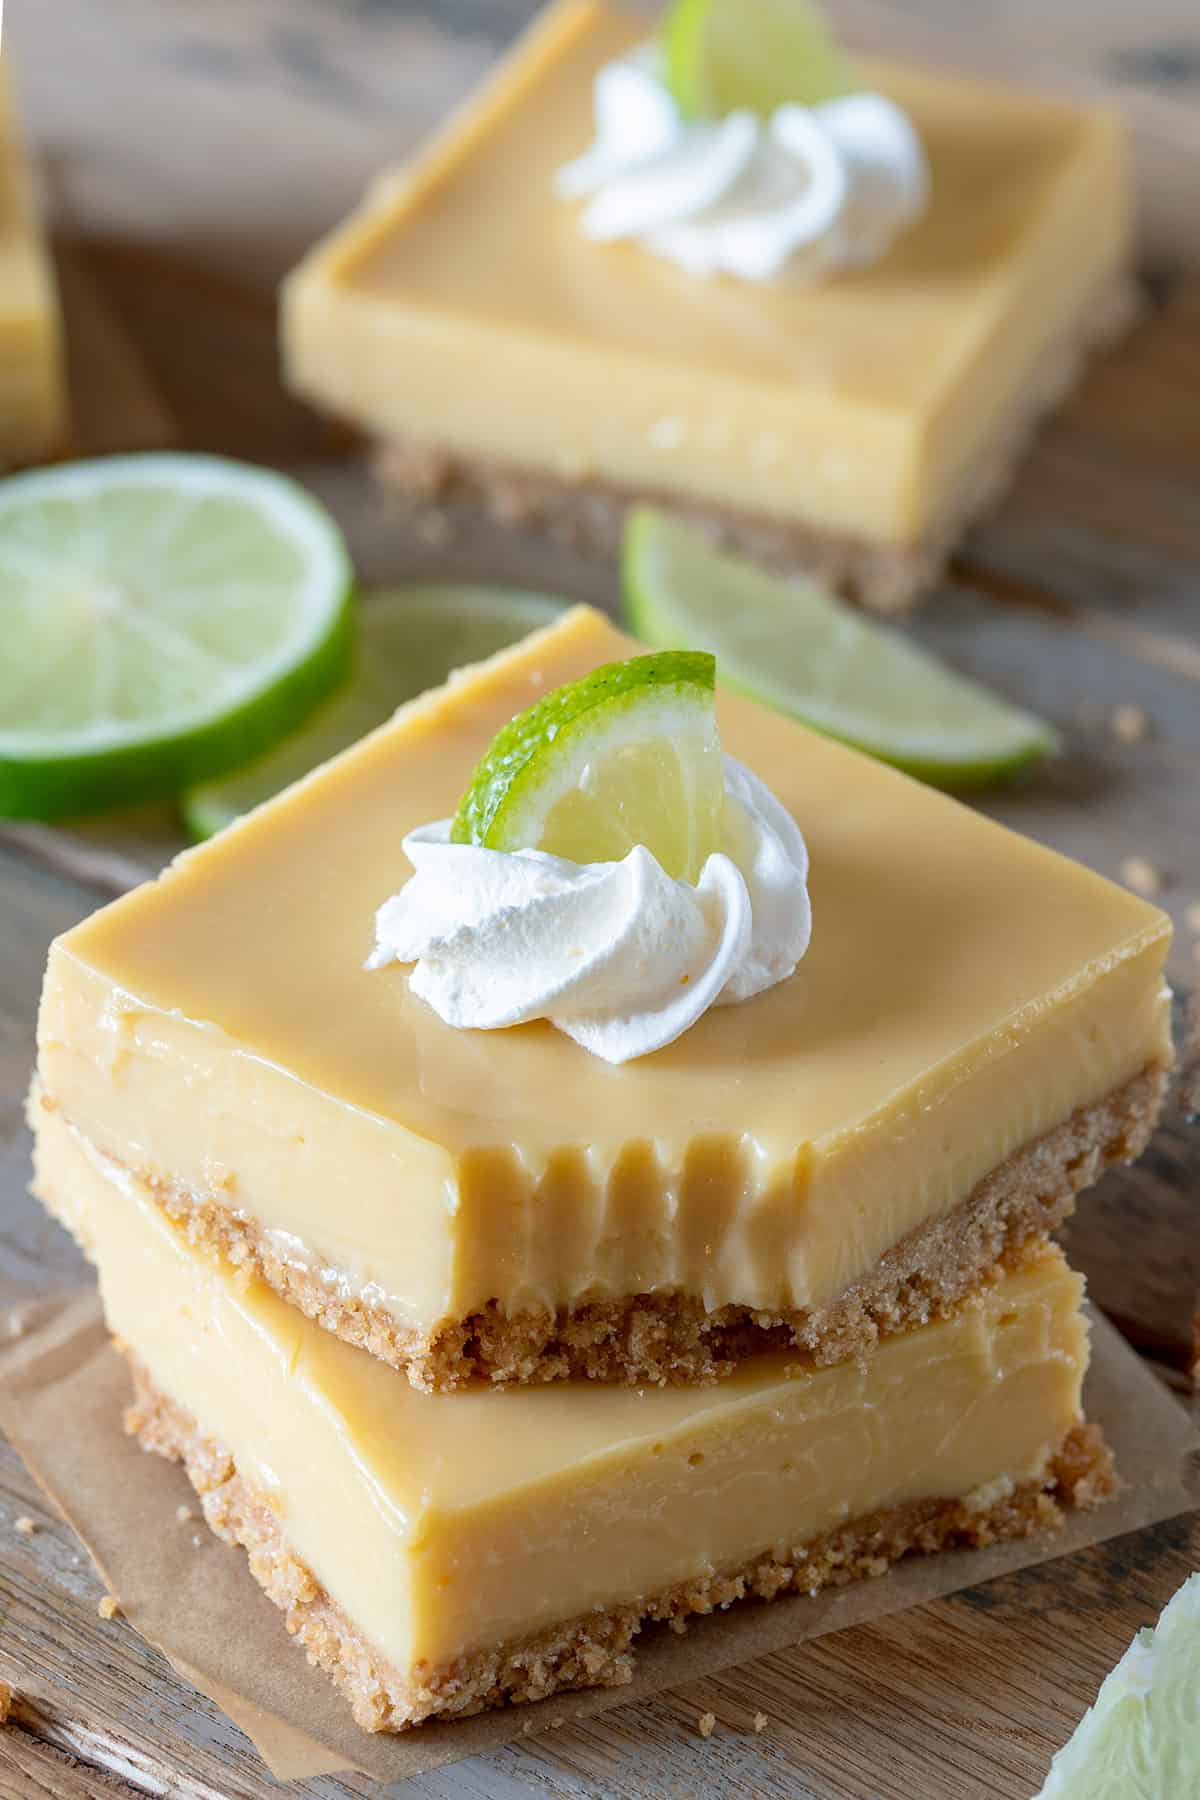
620	956
807	191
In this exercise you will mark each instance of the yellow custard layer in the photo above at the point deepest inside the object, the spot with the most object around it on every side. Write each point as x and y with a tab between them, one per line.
462	306
965	991
32	400
445	1524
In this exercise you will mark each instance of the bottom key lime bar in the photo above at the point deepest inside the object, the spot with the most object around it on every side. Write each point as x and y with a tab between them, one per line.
441	1554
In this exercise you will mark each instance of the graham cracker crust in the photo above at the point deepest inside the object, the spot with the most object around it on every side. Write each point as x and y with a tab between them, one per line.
888	578
668	1338
593	1650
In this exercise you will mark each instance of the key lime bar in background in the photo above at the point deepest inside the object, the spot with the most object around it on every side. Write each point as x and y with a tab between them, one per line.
32	395
852	424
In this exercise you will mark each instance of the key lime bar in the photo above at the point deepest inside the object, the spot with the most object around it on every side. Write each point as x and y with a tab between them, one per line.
32	398
853	426
441	1554
978	1028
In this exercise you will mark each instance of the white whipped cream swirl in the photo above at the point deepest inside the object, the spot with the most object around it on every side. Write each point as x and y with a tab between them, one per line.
810	190
619	956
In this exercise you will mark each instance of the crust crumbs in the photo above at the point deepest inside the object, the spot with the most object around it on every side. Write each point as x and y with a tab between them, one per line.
661	1339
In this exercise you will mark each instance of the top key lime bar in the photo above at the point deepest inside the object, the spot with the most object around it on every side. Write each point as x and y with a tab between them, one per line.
978	1027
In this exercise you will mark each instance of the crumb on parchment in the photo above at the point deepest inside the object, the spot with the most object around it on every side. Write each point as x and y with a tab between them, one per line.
183	1513
24	1525
706	1724
108	1606
761	1721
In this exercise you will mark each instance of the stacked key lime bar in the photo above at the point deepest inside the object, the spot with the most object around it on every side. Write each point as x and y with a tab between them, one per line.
490	1350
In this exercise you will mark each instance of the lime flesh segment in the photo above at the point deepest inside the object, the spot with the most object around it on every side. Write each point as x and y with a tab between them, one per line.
1141	1740
409	639
794	647
725	55
166	617
627	755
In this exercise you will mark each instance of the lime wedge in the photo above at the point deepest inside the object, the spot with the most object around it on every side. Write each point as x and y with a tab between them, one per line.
409	639
726	55
165	617
627	755
794	647
1141	1740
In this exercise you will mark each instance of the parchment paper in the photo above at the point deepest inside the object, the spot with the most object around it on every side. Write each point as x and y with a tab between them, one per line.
61	1394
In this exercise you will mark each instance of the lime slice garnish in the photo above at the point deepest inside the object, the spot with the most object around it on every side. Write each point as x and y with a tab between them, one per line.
165	618
409	639
1141	1740
793	646
725	55
628	755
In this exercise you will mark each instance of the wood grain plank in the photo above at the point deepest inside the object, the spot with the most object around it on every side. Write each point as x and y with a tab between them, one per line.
31	1770
115	405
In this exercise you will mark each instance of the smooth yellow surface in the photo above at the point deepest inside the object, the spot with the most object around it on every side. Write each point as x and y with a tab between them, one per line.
446	1523
461	305
32	402
964	992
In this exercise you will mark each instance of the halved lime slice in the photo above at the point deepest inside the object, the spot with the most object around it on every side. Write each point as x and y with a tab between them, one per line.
793	646
723	55
409	639
165	618
1141	1740
627	755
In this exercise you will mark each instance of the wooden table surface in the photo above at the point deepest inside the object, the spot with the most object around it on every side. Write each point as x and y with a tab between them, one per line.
189	154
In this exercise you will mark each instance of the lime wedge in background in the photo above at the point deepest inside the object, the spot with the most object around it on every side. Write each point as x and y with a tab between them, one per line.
627	755
793	646
722	55
409	638
1141	1740
164	618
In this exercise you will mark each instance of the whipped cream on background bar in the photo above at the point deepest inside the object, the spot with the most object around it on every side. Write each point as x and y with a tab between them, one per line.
618	955
808	191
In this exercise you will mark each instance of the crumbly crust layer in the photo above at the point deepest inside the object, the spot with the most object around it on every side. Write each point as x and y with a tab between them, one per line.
886	578
594	1650
670	1338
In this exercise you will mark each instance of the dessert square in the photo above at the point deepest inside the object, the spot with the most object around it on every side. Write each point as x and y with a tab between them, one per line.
977	1029
441	1554
852	425
32	400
